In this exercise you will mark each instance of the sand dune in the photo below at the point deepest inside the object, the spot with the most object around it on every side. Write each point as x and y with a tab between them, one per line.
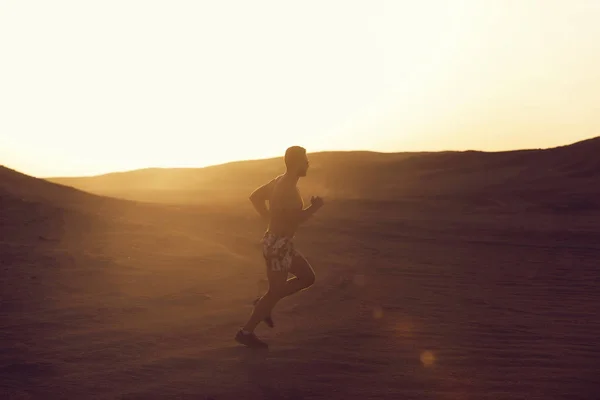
563	178
417	296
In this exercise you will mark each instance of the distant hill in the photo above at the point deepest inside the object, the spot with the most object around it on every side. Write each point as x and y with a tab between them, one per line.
37	209
17	185
560	177
32	207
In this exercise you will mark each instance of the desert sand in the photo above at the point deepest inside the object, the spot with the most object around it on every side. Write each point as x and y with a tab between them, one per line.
439	276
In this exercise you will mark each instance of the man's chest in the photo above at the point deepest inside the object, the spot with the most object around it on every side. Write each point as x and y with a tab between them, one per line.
288	199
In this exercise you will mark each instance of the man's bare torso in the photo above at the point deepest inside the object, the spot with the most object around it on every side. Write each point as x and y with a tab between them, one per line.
285	205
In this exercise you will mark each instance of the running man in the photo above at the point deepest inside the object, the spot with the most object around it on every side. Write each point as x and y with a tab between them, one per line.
285	213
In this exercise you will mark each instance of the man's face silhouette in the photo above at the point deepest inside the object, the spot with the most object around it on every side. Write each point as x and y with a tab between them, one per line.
303	166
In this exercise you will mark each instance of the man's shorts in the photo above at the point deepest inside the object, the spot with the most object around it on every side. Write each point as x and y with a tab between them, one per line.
278	251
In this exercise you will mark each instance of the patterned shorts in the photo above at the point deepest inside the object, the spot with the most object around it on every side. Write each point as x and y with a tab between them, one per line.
278	251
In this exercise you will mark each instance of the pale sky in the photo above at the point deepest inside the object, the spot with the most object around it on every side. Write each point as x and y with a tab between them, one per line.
89	87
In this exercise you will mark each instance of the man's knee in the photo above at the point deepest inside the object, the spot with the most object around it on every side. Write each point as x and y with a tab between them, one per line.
275	293
309	279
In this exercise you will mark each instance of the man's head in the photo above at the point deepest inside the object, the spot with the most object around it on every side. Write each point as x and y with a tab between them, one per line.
296	161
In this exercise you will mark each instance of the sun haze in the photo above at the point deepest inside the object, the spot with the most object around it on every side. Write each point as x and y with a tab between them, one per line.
94	87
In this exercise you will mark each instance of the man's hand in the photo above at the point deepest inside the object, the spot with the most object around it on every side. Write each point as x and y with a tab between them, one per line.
316	202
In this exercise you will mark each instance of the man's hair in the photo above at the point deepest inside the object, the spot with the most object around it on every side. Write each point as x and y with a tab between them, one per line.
293	155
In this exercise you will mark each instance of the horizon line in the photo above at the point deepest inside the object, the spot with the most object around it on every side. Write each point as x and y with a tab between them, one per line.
315	152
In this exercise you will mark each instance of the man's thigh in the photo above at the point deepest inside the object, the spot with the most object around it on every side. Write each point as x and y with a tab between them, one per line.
301	267
277	278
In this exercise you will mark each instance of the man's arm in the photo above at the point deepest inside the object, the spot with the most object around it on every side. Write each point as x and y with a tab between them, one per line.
315	204
305	214
259	198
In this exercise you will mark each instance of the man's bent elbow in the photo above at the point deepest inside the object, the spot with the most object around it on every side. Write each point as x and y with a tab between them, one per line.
255	201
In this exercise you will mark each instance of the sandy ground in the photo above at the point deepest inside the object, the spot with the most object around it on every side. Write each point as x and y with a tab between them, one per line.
142	302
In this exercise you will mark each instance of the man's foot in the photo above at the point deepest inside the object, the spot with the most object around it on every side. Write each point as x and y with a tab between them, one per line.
249	339
268	320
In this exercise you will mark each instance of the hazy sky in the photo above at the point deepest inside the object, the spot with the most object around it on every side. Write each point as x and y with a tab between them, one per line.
89	87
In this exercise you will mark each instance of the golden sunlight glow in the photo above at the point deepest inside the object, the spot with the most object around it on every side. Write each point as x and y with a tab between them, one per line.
94	87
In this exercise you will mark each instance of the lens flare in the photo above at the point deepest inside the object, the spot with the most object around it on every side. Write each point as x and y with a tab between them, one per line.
377	312
427	358
405	328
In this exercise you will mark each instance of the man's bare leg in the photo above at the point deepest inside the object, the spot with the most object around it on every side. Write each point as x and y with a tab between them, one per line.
277	282
304	277
279	287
